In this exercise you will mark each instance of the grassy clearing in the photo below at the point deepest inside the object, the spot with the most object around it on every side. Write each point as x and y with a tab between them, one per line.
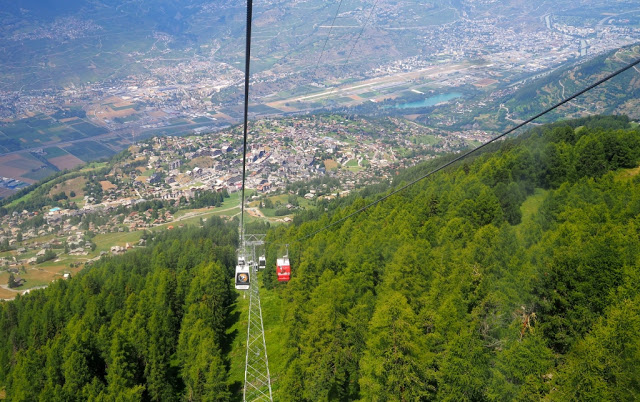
104	242
330	164
37	276
24	198
94	166
76	185
6	294
283	198
532	204
355	169
179	214
427	139
529	208
272	306
626	174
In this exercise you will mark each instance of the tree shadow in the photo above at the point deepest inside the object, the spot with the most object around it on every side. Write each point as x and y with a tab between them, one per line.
236	391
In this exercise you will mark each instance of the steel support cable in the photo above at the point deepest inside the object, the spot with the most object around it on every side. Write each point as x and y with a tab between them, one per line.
327	40
360	34
474	150
323	49
246	115
300	44
328	36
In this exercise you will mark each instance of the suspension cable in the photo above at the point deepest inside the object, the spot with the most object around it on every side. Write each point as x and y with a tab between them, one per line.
360	34
246	115
474	150
328	36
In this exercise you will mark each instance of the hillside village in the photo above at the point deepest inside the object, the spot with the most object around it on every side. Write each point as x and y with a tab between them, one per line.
148	184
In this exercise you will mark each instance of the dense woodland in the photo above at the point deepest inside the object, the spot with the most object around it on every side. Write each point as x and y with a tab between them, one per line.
512	276
149	325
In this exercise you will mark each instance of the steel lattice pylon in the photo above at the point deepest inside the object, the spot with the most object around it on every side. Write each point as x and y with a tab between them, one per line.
257	381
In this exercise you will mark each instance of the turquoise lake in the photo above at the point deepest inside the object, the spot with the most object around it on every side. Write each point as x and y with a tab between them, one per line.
430	101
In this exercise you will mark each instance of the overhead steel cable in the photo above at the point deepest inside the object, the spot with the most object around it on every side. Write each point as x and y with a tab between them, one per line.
474	150
327	40
360	34
328	36
247	64
306	93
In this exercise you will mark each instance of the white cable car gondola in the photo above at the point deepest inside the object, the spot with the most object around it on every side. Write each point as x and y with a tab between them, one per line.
242	275
262	262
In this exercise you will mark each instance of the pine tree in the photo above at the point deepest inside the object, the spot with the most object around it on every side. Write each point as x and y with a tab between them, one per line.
394	365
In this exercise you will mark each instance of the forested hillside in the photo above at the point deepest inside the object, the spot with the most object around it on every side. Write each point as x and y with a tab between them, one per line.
514	276
149	325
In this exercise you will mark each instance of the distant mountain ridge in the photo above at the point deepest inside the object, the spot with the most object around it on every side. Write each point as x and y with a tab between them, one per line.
287	33
620	95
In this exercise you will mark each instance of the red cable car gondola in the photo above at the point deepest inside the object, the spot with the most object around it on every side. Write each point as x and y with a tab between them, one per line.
283	269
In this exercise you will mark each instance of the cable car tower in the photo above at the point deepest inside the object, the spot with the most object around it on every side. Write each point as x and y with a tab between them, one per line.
257	380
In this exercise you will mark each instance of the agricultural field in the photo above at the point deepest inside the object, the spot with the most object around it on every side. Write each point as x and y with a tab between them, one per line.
18	166
58	141
67	161
89	129
330	164
54	152
89	150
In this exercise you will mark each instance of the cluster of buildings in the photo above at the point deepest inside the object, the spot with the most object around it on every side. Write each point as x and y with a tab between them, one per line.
281	152
64	232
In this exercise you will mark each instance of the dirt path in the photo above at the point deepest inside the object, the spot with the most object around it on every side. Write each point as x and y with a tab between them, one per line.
255	213
6	287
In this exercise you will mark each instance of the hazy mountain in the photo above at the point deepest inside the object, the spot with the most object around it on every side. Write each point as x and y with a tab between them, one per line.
48	43
620	95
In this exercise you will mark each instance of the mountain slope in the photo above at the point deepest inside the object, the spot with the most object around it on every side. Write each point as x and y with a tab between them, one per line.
150	325
446	292
513	275
618	96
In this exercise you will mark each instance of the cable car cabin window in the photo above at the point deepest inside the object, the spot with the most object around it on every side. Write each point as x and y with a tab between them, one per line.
242	277
283	270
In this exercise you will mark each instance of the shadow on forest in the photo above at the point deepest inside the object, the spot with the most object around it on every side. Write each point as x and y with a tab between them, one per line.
236	387
232	319
236	391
